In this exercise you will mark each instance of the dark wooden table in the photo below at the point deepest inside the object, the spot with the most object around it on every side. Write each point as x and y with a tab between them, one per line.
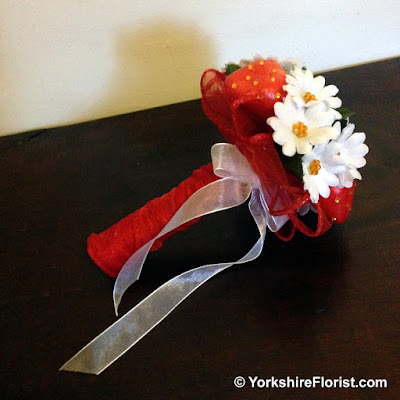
327	306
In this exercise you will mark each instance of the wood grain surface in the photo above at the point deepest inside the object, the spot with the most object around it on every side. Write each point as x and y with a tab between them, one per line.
327	306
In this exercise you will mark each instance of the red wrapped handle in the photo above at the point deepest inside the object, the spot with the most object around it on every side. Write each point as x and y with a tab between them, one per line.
113	247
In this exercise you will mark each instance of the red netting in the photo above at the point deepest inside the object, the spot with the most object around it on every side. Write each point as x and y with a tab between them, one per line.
284	192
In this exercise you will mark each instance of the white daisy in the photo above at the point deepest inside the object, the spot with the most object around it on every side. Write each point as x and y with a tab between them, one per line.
348	150
297	129
307	90
319	176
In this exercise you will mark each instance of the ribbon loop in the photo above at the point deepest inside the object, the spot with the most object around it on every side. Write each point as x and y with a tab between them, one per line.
228	161
217	196
232	190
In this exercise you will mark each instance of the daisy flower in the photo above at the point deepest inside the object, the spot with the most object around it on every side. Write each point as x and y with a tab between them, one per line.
307	90
319	176
348	150
297	129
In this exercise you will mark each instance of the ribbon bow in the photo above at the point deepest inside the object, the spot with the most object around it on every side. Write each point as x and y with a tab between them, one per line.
238	182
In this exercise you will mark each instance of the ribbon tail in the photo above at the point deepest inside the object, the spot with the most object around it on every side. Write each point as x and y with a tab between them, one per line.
116	340
216	196
129	329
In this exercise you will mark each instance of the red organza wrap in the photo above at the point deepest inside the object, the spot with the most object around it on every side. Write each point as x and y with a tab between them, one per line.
111	249
283	191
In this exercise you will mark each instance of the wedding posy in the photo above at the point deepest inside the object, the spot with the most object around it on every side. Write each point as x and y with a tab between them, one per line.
290	149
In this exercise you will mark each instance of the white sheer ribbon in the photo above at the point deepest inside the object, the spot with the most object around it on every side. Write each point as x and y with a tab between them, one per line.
237	184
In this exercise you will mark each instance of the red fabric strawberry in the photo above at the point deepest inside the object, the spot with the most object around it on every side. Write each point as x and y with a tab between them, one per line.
260	83
337	206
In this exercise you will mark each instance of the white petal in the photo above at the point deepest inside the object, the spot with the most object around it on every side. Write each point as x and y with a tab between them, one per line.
328	91
329	116
336	114
291	80
314	195
299	100
334	102
271	120
306	159
308	77
289	148
297	73
286	110
320	149
323	187
311	103
357	162
317	85
280	110
321	135
309	184
281	136
360	151
337	126
333	180
348	184
336	167
355	139
346	179
332	149
303	146
355	174
277	124
316	115
347	131
292	90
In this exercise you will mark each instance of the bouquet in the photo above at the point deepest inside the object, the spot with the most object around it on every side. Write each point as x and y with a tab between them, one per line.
290	149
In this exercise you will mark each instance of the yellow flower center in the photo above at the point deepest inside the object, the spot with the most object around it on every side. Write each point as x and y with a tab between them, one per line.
314	167
309	97
300	130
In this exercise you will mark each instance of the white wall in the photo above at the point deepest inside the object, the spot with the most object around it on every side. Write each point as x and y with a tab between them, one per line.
66	61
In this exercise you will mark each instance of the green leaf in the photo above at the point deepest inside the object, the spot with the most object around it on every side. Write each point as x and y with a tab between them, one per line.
293	164
346	113
230	68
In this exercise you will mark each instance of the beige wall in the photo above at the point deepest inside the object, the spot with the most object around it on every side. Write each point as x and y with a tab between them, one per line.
66	61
